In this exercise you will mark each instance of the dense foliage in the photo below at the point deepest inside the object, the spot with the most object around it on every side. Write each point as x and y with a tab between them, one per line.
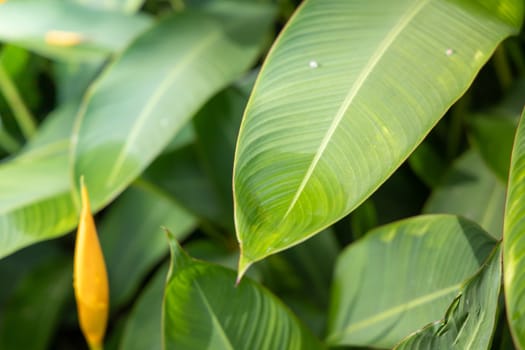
375	152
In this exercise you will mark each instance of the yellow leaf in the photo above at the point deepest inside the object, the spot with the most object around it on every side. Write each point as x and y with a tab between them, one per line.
90	279
62	38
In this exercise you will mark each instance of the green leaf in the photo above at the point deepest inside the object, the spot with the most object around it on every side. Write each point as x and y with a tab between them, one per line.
401	276
132	239
33	313
123	127
347	92
513	243
68	31
203	309
471	189
143	328
36	203
470	320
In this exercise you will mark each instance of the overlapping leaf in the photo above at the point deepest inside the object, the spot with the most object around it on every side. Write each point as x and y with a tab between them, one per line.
65	30
514	240
347	92
402	276
203	309
156	85
469	321
132	239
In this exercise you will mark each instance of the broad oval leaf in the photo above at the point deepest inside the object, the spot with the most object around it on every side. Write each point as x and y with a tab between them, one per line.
421	262
203	309
124	126
348	91
471	318
513	240
35	199
65	30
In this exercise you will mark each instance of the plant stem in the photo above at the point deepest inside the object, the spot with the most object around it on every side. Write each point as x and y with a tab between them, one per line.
25	119
503	71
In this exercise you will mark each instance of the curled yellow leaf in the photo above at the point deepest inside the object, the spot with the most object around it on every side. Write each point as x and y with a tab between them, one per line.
90	279
62	38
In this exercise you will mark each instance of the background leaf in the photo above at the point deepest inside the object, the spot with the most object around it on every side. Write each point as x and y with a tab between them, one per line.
65	30
183	71
36	305
36	203
513	243
472	190
421	262
132	239
199	312
469	321
343	98
143	328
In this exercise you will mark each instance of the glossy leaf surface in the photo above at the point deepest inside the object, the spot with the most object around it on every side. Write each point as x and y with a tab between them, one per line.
421	262
469	321
342	100
123	127
65	30
203	309
514	242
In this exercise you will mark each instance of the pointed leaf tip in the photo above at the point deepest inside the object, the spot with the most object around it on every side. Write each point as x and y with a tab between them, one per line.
244	265
179	258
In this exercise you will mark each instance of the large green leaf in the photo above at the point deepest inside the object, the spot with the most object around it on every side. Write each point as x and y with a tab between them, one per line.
65	30
472	190
347	92
177	66
513	240
402	276
203	309
470	320
35	201
132	239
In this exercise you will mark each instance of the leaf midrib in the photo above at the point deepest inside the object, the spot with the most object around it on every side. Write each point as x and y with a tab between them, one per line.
353	92
162	88
214	318
395	311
